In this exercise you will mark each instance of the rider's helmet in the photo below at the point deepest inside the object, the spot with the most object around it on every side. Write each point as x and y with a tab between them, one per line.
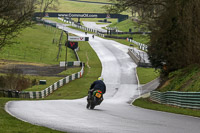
100	78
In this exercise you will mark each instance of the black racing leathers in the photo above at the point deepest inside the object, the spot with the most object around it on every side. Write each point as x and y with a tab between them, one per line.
98	85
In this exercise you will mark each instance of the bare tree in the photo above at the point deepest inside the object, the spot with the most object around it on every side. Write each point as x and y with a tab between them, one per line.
45	5
14	16
114	8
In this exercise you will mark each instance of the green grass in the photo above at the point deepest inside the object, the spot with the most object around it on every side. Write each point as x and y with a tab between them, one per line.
79	7
146	75
107	1
80	29
70	71
54	19
137	37
9	124
124	25
49	81
123	41
129	24
186	80
146	103
35	45
141	38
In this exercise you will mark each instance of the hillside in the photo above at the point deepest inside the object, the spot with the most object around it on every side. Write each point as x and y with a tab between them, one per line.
186	80
129	24
79	7
35	45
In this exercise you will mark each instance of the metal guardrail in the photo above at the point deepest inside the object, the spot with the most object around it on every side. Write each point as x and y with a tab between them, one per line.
138	59
140	45
14	94
180	99
46	23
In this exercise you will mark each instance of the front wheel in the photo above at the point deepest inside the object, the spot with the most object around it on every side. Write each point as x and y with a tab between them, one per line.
88	105
93	103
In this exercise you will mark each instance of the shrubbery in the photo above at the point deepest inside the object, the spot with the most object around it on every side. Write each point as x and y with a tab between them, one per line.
15	80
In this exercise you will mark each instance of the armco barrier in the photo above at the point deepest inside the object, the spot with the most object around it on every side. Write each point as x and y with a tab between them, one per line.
138	59
141	46
180	99
14	94
135	57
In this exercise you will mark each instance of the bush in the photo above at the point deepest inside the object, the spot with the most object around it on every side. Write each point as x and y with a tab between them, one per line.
15	80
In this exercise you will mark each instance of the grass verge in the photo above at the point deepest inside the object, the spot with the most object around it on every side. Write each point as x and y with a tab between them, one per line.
146	103
178	79
185	80
78	7
80	29
70	71
146	75
129	24
54	19
123	41
137	37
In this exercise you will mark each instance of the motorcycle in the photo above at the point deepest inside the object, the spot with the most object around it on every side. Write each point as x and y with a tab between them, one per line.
95	99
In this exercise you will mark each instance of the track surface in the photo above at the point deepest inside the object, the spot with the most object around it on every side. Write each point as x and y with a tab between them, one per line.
115	114
95	26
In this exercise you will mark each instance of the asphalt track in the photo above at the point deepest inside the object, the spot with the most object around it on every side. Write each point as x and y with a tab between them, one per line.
115	114
93	25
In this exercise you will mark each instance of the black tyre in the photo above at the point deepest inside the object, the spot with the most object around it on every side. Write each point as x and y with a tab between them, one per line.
92	106
93	103
88	105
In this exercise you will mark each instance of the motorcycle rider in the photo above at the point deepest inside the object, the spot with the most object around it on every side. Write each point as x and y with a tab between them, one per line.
97	85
